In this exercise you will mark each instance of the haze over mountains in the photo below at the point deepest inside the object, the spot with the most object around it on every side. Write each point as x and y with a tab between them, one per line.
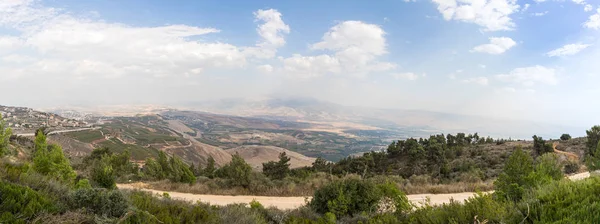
310	109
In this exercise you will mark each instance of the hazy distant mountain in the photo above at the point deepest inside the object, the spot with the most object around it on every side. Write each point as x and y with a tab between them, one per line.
433	122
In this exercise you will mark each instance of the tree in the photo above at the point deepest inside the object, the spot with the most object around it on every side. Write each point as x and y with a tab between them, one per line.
209	170
565	137
547	169
5	133
277	170
180	172
153	170
50	160
540	146
172	168
593	137
515	176
237	171
102	173
321	165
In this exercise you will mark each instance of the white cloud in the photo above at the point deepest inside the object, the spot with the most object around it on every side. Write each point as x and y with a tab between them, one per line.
569	49
594	21
497	45
93	48
482	66
588	8
8	43
271	31
355	47
408	75
580	2
530	76
477	80
493	15
265	68
539	13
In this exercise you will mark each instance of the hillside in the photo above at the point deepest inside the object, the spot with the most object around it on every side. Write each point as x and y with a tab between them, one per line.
256	155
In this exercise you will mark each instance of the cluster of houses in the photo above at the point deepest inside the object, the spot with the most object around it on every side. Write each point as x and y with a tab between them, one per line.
26	118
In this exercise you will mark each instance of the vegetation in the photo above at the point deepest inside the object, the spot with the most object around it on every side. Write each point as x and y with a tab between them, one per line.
565	137
43	188
237	172
168	168
277	170
49	160
5	134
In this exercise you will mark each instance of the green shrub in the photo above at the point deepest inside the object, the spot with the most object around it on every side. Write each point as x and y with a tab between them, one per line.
237	172
110	203
19	203
565	137
240	214
83	184
515	177
102	173
564	202
346	197
172	211
482	208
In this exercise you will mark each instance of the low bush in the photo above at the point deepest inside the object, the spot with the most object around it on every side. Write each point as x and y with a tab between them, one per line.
109	203
353	196
19	203
172	211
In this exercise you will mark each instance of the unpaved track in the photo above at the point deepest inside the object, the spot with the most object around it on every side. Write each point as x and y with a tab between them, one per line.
295	202
285	202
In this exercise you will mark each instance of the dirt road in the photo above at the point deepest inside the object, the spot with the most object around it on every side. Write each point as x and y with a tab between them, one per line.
295	202
285	202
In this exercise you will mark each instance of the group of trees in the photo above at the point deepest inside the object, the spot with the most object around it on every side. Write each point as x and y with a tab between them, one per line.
104	166
168	168
277	170
521	173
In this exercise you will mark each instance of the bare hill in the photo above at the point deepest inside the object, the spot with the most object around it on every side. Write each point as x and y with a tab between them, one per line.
256	155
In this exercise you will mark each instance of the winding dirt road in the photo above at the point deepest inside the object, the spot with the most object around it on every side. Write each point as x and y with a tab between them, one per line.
295	202
285	202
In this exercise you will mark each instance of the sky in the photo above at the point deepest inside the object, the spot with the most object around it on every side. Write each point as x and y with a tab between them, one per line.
529	60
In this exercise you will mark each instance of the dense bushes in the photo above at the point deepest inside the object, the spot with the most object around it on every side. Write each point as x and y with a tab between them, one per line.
168	168
18	203
277	170
482	208
171	211
100	201
237	172
520	174
354	196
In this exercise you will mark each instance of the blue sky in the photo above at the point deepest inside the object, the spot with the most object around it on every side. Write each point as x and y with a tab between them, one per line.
533	60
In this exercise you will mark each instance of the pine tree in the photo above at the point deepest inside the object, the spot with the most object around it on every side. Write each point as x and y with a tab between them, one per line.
210	169
515	176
